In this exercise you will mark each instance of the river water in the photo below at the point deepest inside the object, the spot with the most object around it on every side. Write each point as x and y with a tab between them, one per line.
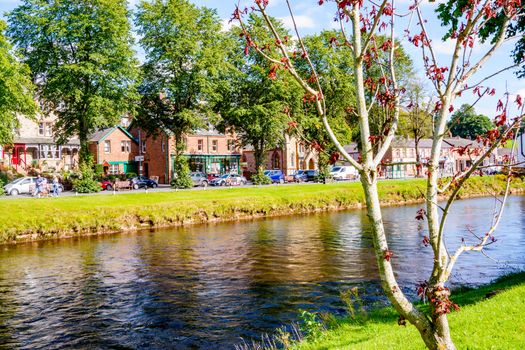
207	286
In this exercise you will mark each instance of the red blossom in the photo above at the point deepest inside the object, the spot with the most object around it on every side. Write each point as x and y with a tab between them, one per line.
387	255
426	241
501	119
420	215
519	101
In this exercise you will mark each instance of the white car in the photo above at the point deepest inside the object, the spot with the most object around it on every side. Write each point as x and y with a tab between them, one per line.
20	186
341	172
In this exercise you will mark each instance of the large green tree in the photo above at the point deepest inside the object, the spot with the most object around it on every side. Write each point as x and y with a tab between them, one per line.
257	102
467	124
16	89
82	62
182	43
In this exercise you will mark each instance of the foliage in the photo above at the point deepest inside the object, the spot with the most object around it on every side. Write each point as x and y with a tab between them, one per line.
2	183
256	102
183	58
81	59
86	182
259	178
467	124
16	90
182	174
310	324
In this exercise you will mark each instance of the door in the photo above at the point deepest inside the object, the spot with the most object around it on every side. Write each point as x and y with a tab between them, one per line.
146	170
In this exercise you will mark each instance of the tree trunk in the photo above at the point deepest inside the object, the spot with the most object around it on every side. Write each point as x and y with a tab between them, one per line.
258	154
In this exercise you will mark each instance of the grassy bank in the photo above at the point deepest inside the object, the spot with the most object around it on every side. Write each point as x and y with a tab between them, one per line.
33	219
490	317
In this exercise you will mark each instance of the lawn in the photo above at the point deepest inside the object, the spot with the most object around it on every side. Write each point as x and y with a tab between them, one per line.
490	317
31	219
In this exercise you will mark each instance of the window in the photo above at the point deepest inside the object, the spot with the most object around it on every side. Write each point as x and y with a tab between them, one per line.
107	146
143	146
163	145
114	169
41	129
125	146
231	145
49	151
214	145
49	129
200	145
292	159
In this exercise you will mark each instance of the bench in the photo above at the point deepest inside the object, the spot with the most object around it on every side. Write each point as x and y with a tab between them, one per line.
122	185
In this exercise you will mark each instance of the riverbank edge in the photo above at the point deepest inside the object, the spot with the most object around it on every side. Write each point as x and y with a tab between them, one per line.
486	317
178	213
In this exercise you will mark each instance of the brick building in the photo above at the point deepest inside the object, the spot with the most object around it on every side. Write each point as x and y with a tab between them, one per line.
206	150
115	148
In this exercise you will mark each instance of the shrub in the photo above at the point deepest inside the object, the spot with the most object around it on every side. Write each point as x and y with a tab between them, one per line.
2	183
86	183
260	179
182	174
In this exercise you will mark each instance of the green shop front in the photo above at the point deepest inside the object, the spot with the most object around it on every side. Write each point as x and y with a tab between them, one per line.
212	164
121	167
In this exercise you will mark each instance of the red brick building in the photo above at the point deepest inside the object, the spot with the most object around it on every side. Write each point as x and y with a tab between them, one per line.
115	148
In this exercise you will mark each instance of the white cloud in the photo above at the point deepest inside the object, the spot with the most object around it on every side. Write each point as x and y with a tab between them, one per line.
302	22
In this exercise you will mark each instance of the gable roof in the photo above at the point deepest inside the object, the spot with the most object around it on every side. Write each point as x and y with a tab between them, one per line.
102	134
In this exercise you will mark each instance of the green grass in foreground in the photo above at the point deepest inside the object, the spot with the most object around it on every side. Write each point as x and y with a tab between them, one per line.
31	219
491	317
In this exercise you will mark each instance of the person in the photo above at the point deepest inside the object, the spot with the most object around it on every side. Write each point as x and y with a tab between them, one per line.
56	186
39	185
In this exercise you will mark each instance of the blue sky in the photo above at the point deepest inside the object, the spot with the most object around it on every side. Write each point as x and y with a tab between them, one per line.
312	18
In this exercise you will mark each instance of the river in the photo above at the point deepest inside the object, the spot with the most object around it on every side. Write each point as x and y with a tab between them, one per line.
207	286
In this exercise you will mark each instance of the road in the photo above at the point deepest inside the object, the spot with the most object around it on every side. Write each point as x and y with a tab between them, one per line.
161	188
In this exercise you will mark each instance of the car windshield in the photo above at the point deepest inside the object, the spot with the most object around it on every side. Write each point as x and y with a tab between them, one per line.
300	172
19	180
267	172
225	176
336	169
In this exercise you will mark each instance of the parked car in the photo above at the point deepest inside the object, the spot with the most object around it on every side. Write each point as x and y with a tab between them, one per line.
141	182
312	175
22	185
276	176
106	185
300	176
229	180
341	172
199	178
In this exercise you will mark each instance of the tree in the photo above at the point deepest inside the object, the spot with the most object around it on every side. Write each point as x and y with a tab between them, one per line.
80	55
365	20
255	102
183	58
469	125
16	90
416	122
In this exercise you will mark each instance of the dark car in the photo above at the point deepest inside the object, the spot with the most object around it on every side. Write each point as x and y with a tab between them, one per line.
142	182
300	176
312	175
276	176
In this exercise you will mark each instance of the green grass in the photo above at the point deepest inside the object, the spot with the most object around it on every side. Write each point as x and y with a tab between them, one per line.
32	219
490	317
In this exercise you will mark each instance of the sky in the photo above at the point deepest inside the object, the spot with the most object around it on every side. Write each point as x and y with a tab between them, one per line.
312	18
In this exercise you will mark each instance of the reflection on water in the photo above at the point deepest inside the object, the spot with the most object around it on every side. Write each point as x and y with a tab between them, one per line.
206	286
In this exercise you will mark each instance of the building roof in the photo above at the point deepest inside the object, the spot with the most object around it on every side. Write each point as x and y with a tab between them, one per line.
100	135
44	141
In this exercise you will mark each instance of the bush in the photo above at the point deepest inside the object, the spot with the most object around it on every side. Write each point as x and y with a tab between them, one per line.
260	179
2	183
99	169
86	183
182	174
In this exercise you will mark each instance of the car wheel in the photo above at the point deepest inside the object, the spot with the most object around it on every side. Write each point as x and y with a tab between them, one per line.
14	193
204	183
281	181
109	188
154	185
135	186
